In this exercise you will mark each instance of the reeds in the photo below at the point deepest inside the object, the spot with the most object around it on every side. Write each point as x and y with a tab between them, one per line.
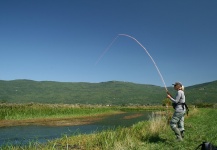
27	111
156	125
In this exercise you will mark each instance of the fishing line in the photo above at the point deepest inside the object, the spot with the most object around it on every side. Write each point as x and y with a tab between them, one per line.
107	48
126	35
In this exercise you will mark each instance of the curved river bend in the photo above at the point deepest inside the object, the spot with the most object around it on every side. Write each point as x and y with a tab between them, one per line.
24	134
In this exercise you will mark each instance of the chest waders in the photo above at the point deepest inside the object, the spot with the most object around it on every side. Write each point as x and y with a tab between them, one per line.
184	105
178	119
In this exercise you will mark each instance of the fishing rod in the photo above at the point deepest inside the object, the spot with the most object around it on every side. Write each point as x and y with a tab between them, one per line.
126	35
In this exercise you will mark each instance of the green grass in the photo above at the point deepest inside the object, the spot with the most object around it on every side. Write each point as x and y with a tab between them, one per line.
154	134
200	126
33	111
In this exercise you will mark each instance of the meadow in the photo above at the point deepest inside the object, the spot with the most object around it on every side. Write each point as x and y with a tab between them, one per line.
200	126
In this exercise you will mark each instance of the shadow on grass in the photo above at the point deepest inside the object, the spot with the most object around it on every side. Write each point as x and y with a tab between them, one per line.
153	139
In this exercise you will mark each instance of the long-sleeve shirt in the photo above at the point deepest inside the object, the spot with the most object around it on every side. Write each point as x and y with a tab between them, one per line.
180	98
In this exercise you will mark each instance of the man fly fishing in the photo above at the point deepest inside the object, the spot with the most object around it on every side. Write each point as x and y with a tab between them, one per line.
177	121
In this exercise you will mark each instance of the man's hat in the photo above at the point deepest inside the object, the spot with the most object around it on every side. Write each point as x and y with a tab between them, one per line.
177	83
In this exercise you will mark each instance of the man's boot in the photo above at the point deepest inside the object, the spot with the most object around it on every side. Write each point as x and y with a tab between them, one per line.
182	133
178	134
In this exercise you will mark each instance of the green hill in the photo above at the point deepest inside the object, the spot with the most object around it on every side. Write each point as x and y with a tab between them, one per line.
202	93
112	92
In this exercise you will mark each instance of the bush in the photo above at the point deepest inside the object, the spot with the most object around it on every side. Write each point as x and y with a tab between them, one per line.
205	105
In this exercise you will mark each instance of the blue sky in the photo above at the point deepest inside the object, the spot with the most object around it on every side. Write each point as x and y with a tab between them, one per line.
61	40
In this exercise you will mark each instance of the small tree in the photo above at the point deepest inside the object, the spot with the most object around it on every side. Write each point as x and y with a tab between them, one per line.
167	102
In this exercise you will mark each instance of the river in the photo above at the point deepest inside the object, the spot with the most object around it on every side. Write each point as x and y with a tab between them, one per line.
20	135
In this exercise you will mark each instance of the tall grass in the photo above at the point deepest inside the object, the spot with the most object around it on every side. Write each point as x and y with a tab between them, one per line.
156	125
34	110
26	111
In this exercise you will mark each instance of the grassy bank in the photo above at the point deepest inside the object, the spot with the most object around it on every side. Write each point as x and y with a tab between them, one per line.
153	134
34	111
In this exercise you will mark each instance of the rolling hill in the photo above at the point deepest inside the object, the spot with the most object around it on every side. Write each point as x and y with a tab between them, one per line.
111	92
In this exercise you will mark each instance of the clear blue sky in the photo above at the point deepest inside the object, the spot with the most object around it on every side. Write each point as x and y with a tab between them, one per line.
60	40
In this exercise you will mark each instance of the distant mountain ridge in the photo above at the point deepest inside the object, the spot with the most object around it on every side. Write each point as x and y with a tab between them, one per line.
111	92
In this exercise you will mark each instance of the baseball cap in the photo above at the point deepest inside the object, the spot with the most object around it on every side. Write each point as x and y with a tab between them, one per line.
177	83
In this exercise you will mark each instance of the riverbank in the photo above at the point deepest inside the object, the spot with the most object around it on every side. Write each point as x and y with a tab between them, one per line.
154	134
52	114
71	121
59	114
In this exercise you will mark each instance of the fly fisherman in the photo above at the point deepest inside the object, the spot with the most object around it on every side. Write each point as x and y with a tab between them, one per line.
177	121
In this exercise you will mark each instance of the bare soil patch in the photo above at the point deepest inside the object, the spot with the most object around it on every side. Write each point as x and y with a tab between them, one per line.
133	116
54	121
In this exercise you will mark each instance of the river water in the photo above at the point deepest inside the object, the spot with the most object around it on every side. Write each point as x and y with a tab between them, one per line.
19	135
